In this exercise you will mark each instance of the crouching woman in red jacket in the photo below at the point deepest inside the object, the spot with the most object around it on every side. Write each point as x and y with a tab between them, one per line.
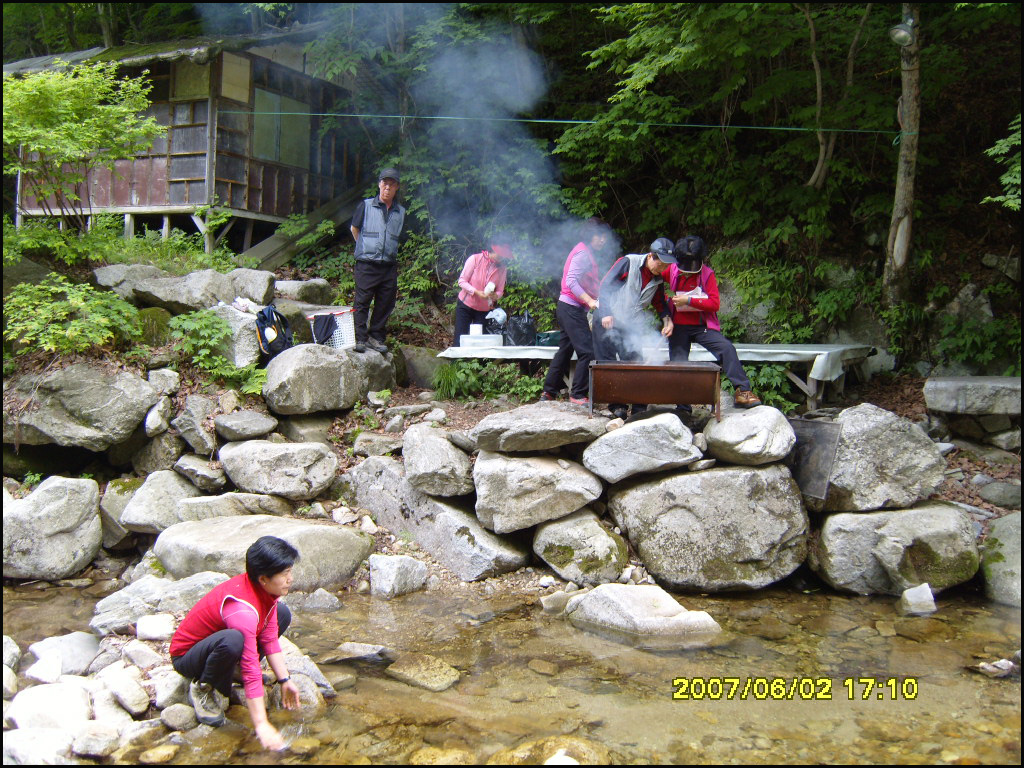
234	624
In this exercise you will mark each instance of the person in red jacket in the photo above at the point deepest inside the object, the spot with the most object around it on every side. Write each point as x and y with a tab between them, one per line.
234	624
482	282
695	302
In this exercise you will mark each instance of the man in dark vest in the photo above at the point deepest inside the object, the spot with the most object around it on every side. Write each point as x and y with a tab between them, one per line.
376	228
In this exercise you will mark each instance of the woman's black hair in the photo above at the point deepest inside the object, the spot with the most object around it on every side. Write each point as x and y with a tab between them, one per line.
594	226
268	556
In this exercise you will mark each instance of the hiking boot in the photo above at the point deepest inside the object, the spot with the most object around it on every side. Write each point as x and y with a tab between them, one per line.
207	702
377	346
746	399
360	346
579	400
547	397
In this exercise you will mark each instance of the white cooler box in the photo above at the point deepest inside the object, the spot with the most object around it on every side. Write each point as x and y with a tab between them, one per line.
482	340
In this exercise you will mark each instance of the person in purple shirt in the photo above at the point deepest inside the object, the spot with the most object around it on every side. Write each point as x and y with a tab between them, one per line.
581	278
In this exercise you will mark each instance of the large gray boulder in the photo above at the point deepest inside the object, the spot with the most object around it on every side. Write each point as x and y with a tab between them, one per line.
889	552
122	279
1001	560
883	462
244	425
642	615
231	505
721	529
115	498
242	347
204	289
154	506
315	291
79	405
433	464
450	534
580	549
57	705
973	395
513	493
254	284
54	532
421	364
753	437
657	444
394	575
293	470
328	554
193	426
74	651
312	377
537	427
204	474
119	612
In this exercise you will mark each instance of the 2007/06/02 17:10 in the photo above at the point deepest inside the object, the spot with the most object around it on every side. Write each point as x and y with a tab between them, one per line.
804	688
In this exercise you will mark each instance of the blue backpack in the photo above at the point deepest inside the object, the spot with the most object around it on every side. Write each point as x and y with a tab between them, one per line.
273	332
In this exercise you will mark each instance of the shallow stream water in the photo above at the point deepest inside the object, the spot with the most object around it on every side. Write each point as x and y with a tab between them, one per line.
809	659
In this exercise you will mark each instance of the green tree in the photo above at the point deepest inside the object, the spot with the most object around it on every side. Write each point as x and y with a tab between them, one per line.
61	124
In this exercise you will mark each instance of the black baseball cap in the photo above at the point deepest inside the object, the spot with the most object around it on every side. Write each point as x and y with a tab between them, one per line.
388	173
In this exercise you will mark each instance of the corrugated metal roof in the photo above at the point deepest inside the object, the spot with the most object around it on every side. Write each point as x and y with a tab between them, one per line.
198	50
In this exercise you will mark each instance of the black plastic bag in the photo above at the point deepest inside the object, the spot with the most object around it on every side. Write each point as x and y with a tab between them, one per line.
521	331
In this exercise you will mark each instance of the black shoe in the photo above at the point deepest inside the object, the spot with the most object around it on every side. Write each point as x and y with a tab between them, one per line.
360	346
620	412
547	397
377	346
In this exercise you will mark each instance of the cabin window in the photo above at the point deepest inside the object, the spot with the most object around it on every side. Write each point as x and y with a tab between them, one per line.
282	138
235	78
191	81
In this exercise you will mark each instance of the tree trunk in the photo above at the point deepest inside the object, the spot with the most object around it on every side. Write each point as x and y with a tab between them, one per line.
897	251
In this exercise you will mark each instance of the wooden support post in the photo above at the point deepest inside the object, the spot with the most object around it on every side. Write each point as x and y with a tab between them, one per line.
129	226
165	230
207	235
247	241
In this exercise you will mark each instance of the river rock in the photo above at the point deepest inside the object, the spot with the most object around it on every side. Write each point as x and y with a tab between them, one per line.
166	380
125	682
231	505
54	532
644	615
95	739
975	395
518	492
202	473
191	423
656	444
328	554
724	528
315	291
320	601
179	717
883	462
158	419
74	651
107	709
423	671
12	653
241	347
38	746
244	425
450	533
888	552
158	454
393	575
552	750
157	626
1001	560
10	683
311	697
752	437
197	290
312	377
168	686
537	427
54	705
154	506
79	405
373	444
293	470
917	600
580	549
150	594
1006	495
433	464
140	654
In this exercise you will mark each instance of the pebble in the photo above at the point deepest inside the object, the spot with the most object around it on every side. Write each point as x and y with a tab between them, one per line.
159	755
542	667
367	525
304	745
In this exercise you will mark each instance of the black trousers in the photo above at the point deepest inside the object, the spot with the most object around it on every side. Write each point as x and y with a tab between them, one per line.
464	317
213	659
610	344
575	337
715	343
376	283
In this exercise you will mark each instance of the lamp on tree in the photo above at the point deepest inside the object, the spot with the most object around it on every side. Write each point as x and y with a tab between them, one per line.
903	34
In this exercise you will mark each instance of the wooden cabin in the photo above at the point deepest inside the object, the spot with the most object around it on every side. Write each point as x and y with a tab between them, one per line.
246	132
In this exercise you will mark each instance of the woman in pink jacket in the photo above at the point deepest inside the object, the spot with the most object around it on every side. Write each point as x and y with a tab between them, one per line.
482	282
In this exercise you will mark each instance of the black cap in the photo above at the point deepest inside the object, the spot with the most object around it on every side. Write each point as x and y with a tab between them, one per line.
689	252
388	173
662	248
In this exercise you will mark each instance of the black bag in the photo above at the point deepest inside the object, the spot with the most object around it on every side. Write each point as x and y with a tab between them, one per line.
521	331
273	332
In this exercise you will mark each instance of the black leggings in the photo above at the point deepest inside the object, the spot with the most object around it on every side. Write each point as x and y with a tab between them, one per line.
213	659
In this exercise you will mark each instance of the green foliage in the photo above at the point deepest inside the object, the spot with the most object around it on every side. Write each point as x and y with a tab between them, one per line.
60	316
771	384
1005	155
366	415
297	225
466	379
981	340
61	124
523	297
199	336
32	479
